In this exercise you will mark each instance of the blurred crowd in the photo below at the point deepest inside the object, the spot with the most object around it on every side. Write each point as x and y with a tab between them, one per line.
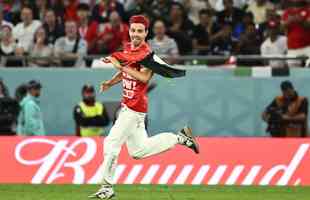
72	29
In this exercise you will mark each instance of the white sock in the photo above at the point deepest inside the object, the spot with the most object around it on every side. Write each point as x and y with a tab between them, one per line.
181	138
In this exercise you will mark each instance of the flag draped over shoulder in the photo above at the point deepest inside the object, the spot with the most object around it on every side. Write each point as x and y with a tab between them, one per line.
158	66
149	60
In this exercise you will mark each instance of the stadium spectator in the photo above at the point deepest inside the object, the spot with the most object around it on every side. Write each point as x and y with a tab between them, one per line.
296	20
91	3
112	34
239	29
259	9
3	21
24	31
103	8
71	48
162	44
203	32
142	8
249	43
218	5
90	116
30	119
161	9
180	28
274	45
271	15
39	49
8	48
129	4
7	44
14	8
193	7
40	8
58	7
221	42
71	10
88	29
53	28
6	11
230	14
287	114
8	111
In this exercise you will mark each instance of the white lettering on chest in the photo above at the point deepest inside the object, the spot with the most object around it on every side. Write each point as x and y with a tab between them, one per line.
129	86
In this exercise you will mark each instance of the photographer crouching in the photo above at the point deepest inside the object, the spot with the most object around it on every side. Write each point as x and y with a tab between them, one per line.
287	115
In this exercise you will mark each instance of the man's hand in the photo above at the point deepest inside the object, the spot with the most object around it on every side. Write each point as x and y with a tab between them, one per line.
105	85
114	61
286	117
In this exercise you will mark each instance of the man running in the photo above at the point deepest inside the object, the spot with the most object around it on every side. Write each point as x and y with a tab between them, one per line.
130	127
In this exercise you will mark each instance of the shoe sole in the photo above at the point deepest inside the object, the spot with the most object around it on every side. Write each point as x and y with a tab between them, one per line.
188	132
96	197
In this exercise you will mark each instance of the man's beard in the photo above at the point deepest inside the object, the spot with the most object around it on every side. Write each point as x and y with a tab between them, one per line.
136	42
89	100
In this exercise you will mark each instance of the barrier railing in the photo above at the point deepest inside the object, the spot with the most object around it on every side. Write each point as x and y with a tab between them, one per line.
185	59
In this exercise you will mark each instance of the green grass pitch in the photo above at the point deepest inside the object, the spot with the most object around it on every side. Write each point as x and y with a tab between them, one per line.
154	192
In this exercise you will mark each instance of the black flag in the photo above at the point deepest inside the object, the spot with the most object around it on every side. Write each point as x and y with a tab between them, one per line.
158	66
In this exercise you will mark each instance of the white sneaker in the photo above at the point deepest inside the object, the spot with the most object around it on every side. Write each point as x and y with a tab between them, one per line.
186	138
105	192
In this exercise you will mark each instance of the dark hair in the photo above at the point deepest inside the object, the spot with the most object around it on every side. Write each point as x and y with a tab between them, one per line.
229	1
180	6
285	85
33	84
35	34
206	12
21	91
88	88
249	14
83	7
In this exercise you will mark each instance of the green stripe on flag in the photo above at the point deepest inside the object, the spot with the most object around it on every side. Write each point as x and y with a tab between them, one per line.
242	71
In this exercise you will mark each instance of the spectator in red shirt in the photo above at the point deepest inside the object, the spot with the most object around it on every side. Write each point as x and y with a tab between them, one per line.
296	20
114	33
71	10
88	29
103	9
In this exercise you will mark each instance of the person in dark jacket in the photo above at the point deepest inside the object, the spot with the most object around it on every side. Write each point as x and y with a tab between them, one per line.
90	116
9	109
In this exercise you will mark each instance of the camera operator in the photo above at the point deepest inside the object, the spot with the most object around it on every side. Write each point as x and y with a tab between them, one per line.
287	115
